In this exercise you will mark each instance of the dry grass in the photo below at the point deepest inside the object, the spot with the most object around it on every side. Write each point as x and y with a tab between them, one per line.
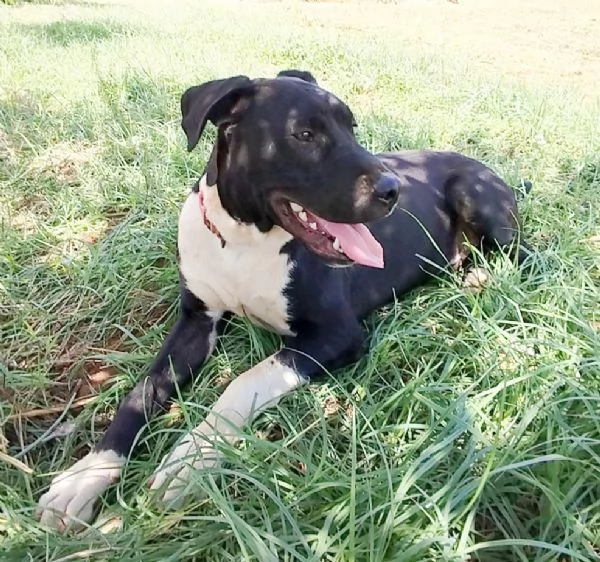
472	429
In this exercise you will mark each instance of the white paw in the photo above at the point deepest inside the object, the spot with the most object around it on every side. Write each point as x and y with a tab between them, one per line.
69	503
176	469
476	279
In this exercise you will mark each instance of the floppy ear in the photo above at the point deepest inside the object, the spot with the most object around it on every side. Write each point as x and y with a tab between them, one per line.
210	101
300	74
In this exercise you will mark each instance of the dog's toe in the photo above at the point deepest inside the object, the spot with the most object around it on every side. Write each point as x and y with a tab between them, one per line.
175	472
69	503
66	511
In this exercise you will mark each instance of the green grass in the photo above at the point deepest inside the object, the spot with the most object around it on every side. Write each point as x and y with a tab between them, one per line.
473	427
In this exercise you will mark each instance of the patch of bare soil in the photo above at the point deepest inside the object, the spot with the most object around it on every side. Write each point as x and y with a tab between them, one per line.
64	161
541	42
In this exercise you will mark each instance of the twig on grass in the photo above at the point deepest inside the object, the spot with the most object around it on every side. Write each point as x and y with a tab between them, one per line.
36	413
16	463
50	431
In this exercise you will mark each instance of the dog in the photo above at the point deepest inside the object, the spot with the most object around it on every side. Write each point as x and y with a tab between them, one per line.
297	227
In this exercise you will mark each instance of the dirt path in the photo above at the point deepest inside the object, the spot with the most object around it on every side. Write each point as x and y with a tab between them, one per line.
537	41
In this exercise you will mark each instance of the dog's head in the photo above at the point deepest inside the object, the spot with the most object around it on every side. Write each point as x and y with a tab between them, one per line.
286	155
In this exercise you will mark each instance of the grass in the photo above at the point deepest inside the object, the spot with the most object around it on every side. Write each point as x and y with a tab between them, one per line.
473	427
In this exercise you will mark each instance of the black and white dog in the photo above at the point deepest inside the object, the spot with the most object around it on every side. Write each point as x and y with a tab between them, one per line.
289	198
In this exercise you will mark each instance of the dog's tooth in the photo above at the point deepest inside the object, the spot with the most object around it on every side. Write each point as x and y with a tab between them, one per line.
313	225
303	216
295	207
336	245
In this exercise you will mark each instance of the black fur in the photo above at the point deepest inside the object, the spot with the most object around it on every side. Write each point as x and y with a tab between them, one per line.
300	74
326	174
441	196
182	354
286	139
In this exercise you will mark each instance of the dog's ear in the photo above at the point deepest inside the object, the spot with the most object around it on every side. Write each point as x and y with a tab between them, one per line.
300	74
212	101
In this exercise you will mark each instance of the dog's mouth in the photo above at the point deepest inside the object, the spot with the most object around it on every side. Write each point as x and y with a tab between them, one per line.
336	242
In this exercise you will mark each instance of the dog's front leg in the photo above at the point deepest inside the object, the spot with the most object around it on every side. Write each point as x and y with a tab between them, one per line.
69	503
244	398
249	394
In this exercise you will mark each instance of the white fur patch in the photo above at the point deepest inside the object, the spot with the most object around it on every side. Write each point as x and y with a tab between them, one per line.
476	278
69	503
247	276
246	396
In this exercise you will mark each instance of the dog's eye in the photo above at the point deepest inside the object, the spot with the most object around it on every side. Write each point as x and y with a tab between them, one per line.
306	136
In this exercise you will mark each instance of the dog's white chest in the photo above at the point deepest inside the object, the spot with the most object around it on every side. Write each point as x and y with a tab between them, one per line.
247	276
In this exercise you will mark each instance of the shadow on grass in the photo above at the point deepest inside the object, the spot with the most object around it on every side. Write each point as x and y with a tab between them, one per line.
65	33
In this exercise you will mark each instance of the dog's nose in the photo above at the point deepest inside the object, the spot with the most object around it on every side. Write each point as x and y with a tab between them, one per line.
386	189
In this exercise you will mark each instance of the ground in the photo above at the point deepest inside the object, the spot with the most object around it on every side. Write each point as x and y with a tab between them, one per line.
472	429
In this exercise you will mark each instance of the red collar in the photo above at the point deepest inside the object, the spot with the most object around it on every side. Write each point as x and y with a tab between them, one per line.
207	221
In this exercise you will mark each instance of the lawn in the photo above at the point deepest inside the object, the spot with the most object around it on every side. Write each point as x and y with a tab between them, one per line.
472	429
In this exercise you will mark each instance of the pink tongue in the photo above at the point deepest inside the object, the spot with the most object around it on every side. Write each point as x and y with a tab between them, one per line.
356	241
